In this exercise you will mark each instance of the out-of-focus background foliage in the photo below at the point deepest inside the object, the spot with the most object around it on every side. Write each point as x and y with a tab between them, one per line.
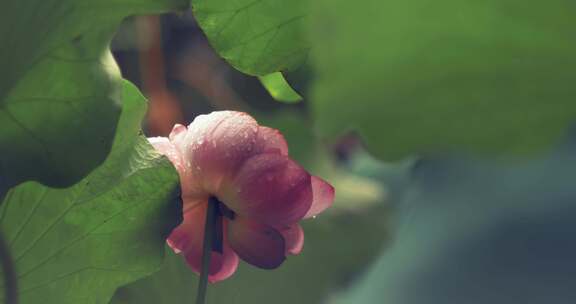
446	127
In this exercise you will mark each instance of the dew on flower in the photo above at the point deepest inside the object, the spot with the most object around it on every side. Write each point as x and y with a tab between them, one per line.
231	182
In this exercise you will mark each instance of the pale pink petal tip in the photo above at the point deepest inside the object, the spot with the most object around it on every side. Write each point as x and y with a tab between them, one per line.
294	238
178	240
222	265
227	267
323	194
163	146
177	131
157	140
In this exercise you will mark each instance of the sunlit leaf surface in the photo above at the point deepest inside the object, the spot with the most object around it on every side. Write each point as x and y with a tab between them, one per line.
78	244
257	37
60	89
279	88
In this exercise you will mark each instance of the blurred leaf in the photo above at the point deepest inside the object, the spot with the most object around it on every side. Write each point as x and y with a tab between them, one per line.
279	88
78	244
258	37
60	88
477	232
417	76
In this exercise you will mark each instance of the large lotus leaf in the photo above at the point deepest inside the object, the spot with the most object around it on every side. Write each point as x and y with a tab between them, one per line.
257	37
78	244
60	89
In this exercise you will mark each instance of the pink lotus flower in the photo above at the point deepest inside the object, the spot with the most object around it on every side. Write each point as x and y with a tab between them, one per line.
228	159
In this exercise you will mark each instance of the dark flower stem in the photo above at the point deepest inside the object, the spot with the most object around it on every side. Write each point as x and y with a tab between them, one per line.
10	286
209	229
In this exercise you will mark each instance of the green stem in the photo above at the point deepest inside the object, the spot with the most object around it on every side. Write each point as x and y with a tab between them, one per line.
10	283
209	228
